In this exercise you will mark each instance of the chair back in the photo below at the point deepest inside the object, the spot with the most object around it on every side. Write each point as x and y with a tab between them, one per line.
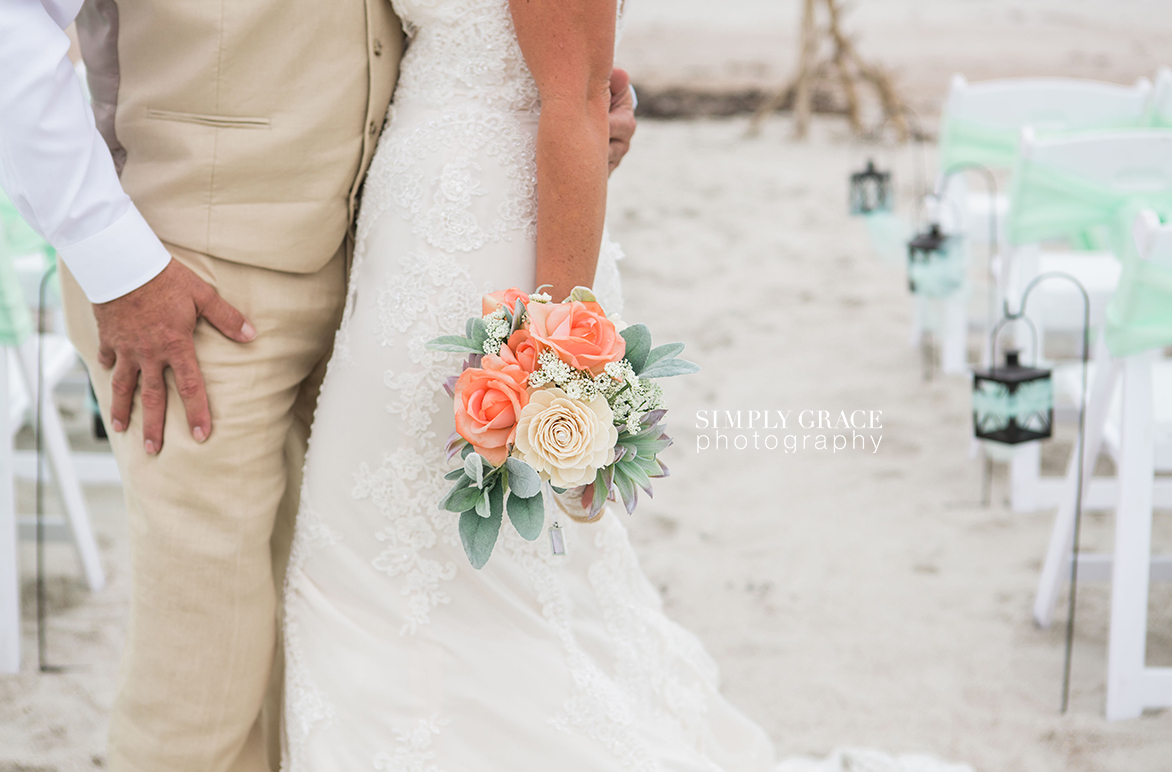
1139	316
982	122
1161	110
25	260
15	319
1088	188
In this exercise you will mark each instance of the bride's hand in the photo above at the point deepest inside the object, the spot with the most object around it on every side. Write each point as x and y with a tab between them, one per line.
622	117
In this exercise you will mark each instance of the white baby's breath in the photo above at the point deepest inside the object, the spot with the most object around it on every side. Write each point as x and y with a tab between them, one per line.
632	403
497	327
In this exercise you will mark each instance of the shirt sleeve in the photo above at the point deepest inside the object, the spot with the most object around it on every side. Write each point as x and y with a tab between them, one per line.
55	166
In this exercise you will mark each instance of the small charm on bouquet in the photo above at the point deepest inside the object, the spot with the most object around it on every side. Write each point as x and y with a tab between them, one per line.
553	396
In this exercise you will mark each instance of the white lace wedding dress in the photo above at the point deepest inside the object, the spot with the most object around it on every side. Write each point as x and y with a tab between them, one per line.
400	656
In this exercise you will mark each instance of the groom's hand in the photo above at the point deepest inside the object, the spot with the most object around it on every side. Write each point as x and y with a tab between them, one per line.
151	329
622	117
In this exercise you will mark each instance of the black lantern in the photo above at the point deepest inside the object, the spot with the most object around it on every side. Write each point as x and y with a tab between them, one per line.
870	191
1013	404
935	263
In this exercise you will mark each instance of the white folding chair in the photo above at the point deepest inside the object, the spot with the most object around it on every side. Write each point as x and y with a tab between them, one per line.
18	389
981	126
1133	165
1160	114
999	109
1131	685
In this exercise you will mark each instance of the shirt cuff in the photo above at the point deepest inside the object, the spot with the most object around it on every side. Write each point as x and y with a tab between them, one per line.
117	260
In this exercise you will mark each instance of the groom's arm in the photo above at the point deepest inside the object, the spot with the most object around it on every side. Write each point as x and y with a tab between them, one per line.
54	164
58	172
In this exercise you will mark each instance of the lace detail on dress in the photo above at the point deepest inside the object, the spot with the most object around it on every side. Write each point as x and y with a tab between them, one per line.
608	284
428	296
405	490
659	664
305	706
597	706
463	48
445	218
412	749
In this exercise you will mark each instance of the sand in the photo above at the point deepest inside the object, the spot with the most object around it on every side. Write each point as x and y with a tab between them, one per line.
857	598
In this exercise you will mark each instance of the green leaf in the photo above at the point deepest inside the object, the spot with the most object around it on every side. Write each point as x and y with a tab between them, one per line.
583	294
479	333
649	465
483	506
666	368
638	476
455	474
527	514
523	479
496	499
443	502
454	343
648	447
666	351
474	468
464	451
518	316
625	487
638	339
478	535
461	499
599	499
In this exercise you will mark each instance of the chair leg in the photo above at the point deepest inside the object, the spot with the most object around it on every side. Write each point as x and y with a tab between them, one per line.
916	334
954	335
1024	477
55	442
1057	565
9	567
1133	545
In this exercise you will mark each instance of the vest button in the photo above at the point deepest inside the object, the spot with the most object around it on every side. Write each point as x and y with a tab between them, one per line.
373	128
378	48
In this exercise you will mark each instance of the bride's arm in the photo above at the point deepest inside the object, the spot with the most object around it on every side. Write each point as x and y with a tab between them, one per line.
569	47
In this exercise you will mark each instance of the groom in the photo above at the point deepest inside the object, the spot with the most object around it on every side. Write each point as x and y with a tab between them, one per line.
233	142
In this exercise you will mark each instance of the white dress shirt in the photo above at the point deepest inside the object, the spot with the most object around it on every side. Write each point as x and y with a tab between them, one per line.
55	166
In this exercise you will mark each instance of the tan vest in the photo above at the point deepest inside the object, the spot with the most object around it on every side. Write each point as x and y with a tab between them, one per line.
243	128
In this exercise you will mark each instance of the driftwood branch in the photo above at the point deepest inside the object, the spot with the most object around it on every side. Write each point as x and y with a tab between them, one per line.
850	71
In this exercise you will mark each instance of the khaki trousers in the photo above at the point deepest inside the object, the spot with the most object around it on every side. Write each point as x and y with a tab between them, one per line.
211	525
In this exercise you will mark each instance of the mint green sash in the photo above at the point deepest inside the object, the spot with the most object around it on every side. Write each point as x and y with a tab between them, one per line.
1139	316
966	142
1050	204
16	239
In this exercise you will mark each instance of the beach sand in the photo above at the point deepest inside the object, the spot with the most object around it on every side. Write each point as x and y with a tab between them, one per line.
855	598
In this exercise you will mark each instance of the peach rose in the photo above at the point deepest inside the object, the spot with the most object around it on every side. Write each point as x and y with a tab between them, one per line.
521	349
488	401
579	332
507	298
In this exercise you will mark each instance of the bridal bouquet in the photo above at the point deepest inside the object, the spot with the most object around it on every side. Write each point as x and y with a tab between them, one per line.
557	393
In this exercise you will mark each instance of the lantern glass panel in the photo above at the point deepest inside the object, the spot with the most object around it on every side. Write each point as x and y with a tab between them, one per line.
1013	404
935	263
871	191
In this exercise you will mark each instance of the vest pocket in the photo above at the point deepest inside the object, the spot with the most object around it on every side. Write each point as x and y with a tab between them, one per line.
215	121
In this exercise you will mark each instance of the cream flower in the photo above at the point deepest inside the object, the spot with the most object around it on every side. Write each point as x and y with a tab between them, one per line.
564	438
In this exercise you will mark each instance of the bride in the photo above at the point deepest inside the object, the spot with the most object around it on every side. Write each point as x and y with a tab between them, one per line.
400	656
